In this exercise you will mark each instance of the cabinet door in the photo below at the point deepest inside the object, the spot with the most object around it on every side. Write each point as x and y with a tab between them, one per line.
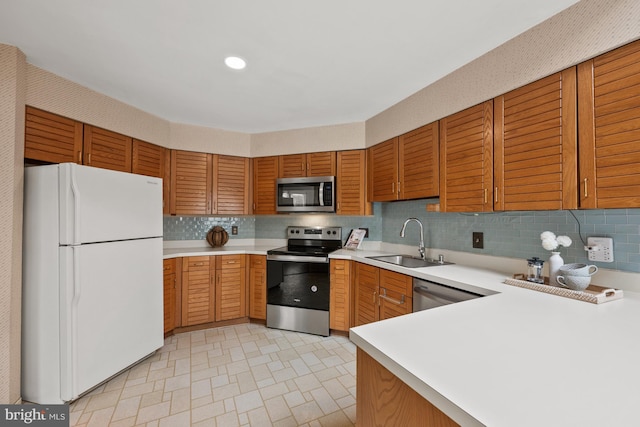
383	171
609	117
258	287
351	178
106	149
339	301
321	164
198	295
395	294
419	166
230	185
366	294
265	173
151	160
293	166
535	145
52	138
231	292
190	183
169	270
466	160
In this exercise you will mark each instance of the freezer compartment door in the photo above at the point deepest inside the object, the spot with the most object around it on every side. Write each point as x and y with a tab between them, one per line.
111	312
100	205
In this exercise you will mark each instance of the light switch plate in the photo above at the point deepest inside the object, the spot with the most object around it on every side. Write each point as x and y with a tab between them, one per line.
604	252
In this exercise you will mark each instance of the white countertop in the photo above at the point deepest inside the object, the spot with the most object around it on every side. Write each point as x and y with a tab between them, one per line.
515	358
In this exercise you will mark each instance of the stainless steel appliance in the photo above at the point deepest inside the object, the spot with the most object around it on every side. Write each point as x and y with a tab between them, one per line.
428	295
308	194
298	280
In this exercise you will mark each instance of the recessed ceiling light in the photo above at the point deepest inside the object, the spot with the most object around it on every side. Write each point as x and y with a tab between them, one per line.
235	62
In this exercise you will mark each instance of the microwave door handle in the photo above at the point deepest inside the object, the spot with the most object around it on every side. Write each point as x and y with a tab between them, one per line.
321	195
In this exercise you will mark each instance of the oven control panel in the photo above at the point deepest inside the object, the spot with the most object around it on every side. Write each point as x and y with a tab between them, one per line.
324	233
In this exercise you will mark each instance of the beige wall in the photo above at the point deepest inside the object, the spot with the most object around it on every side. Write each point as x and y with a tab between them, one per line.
209	140
323	138
12	101
583	31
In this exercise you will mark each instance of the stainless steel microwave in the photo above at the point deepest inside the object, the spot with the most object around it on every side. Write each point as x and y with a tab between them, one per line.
310	194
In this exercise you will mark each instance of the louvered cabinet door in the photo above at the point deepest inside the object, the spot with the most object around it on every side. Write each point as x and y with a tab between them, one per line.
366	294
351	178
466	160
265	173
231	292
52	138
419	167
190	183
106	149
198	295
321	164
536	145
609	135
258	287
292	166
153	160
169	287
395	294
339	301
383	171
230	185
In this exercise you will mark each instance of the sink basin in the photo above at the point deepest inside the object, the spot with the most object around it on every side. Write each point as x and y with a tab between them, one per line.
408	261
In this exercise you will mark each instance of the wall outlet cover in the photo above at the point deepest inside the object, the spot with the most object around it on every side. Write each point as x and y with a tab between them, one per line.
478	240
603	251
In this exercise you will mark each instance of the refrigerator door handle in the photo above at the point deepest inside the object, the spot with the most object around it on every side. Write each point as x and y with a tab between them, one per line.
76	205
70	293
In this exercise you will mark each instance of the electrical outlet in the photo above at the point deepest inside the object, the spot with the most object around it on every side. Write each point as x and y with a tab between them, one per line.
600	249
478	240
234	230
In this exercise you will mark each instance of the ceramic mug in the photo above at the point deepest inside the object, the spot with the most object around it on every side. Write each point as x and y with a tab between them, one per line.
578	269
577	283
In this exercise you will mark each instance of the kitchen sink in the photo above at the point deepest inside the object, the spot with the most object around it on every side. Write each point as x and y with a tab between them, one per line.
408	261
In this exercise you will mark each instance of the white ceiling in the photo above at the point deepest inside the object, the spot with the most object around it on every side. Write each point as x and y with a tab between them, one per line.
310	63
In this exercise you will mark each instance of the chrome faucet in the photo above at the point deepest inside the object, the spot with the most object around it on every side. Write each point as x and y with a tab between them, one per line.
421	247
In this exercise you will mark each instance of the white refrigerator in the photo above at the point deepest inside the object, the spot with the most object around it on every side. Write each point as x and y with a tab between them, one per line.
92	277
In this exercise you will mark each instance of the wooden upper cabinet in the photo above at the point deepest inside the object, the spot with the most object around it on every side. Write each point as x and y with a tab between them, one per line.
106	149
351	177
535	157
230	185
419	167
609	117
466	160
265	173
52	138
153	160
309	164
382	171
191	183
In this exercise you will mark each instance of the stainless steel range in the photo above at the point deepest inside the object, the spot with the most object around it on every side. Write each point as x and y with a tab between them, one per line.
298	280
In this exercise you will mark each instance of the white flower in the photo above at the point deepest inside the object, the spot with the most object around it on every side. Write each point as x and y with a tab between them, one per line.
547	235
549	244
564	241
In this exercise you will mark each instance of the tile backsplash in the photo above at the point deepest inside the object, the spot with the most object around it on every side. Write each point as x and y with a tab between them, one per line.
506	234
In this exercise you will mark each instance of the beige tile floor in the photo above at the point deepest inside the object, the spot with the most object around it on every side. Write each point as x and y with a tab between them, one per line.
243	375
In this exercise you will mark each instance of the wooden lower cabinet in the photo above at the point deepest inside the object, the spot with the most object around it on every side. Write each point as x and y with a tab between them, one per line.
380	294
382	399
230	287
339	300
172	269
258	287
198	290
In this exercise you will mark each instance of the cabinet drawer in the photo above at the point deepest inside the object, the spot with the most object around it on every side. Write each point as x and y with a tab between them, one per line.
169	266
340	265
230	261
196	262
258	261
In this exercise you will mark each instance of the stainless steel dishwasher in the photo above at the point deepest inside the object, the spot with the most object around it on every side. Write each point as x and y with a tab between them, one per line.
428	295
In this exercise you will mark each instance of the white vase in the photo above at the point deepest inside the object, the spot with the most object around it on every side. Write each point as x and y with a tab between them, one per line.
555	262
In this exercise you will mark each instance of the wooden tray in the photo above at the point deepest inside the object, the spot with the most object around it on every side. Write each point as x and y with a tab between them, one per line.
594	294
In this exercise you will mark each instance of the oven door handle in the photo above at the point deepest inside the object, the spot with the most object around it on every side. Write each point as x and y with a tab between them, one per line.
298	258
